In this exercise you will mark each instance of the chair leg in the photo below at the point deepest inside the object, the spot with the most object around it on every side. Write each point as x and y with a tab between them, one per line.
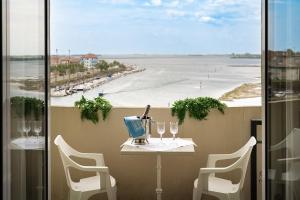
197	194
112	193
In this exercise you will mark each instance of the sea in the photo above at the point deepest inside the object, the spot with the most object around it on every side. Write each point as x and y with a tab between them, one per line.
168	78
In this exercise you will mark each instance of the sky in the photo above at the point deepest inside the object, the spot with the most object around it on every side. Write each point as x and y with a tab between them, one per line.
155	26
284	29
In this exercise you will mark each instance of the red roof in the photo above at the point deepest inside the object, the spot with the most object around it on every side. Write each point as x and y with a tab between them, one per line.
88	56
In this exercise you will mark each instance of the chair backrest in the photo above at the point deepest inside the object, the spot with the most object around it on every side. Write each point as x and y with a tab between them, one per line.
244	154
291	144
65	152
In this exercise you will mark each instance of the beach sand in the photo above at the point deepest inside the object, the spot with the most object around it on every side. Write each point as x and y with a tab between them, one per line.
248	94
247	90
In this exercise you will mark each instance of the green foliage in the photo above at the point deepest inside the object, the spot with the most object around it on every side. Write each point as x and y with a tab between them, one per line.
72	68
198	108
27	107
102	65
53	68
116	63
80	68
62	69
89	108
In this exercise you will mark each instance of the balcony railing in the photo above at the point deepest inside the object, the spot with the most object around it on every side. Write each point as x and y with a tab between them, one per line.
136	175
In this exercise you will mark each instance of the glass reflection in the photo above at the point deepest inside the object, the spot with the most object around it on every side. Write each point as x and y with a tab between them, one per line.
26	92
283	84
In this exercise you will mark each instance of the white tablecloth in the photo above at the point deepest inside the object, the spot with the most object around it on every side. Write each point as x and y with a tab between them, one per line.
156	144
29	143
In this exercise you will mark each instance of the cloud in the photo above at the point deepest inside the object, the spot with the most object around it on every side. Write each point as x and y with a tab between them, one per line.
204	18
229	10
156	2
173	3
190	1
175	13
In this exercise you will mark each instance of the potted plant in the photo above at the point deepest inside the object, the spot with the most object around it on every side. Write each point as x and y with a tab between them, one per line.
89	108
198	108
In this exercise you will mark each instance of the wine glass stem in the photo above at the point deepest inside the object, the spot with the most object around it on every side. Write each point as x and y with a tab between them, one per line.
160	136
173	136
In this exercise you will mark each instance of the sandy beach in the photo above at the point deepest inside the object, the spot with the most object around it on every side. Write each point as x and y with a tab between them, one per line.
247	90
170	78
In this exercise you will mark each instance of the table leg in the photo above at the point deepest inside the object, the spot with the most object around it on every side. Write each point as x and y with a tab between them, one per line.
158	171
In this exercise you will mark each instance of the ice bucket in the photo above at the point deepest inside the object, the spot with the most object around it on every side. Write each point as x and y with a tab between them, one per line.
147	123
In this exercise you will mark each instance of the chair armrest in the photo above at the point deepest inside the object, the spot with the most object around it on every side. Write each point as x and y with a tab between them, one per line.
94	169
98	169
212	170
205	173
213	158
103	172
98	157
215	170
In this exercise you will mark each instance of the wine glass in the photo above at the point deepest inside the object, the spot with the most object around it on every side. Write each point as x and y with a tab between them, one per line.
26	128
20	127
37	128
174	128
161	128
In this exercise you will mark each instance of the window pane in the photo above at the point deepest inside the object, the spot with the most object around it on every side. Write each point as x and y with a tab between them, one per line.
283	100
26	94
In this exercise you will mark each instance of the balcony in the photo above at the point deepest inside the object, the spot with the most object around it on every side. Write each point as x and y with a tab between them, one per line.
136	175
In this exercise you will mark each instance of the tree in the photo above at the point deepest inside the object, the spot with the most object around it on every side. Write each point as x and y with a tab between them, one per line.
114	63
79	68
72	68
53	69
102	65
62	69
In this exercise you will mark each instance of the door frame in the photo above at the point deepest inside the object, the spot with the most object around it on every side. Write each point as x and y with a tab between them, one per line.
4	109
265	110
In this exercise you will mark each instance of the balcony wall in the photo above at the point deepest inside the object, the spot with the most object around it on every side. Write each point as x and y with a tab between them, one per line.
136	175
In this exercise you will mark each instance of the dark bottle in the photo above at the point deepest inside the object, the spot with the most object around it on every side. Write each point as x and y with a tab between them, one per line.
145	115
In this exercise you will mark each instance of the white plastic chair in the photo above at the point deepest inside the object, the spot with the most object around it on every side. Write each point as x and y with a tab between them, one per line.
291	143
86	187
208	183
291	163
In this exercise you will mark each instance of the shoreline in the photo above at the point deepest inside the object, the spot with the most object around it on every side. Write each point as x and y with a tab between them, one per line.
88	84
244	91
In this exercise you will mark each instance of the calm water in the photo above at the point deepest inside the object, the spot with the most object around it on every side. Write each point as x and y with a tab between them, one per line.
169	78
30	69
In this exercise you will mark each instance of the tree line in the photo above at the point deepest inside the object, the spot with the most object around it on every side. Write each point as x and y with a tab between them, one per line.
102	65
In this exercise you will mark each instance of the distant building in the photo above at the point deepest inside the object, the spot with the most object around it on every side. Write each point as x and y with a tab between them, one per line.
55	60
89	60
71	60
284	65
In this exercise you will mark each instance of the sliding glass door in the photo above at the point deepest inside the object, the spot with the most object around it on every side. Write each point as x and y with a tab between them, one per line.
25	99
282	96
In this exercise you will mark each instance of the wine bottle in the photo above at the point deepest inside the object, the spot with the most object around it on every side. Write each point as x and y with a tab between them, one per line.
145	115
